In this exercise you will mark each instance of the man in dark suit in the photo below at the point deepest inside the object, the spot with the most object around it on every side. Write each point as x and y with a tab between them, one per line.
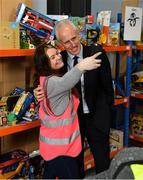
96	95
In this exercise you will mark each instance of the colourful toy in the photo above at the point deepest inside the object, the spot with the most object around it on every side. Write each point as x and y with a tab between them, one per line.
35	21
12	164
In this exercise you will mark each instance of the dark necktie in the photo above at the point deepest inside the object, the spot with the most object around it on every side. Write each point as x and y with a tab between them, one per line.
75	59
78	85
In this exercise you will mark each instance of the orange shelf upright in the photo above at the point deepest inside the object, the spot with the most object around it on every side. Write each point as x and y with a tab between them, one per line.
16	52
7	130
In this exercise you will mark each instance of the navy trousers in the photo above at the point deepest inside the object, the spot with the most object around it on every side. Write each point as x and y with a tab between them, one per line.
62	167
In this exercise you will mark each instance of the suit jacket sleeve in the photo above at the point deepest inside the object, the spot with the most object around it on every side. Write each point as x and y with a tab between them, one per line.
105	76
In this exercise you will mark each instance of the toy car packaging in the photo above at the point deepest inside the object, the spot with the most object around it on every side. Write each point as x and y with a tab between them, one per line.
34	21
14	164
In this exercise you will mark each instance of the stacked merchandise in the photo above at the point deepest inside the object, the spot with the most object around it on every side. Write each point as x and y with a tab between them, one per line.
137	82
91	30
19	106
136	126
15	164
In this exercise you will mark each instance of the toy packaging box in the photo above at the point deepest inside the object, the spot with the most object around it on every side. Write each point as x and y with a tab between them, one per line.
36	22
93	33
137	124
114	34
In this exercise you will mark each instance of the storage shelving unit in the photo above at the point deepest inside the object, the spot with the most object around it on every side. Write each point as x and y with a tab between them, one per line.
139	49
122	101
126	97
10	131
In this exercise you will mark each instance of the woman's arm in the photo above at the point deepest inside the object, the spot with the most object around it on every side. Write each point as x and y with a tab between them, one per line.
57	85
68	81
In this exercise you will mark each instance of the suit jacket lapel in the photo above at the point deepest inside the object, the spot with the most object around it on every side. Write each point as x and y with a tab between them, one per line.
86	53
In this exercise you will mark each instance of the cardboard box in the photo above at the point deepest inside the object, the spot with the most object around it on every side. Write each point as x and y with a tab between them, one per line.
116	139
137	124
8	9
9	35
131	3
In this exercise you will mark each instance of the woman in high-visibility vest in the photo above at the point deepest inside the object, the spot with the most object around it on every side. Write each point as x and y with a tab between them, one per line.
59	139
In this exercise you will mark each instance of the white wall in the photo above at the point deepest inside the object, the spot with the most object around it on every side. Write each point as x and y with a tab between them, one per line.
99	5
113	5
96	6
40	6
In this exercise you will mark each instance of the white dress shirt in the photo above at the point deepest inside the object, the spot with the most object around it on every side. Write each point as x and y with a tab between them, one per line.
70	63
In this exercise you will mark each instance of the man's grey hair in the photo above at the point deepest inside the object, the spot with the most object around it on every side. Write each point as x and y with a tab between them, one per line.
62	24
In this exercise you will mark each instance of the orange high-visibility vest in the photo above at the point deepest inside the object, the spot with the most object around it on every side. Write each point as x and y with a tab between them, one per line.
59	134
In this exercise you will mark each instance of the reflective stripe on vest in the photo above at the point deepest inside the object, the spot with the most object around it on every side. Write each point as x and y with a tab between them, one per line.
59	141
61	122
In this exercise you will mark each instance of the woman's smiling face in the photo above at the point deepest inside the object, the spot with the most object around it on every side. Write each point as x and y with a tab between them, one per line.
55	58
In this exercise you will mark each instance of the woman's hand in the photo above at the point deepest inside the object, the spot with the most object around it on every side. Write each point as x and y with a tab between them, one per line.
89	63
39	93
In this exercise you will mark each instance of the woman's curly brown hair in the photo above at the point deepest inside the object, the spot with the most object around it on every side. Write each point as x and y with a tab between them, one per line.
42	63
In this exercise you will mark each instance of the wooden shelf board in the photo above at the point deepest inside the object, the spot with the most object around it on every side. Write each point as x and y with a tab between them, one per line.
7	130
16	52
120	101
136	138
